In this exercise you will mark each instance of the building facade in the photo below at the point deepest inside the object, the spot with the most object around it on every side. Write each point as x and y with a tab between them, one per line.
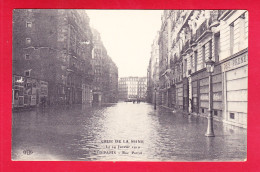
113	82
234	67
188	38
142	88
153	73
52	46
132	88
105	85
150	88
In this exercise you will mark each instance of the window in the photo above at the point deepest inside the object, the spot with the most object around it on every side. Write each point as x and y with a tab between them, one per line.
210	49
231	38
27	57
217	46
195	59
203	56
28	40
202	110
215	112
185	66
27	73
191	61
28	24
232	115
242	27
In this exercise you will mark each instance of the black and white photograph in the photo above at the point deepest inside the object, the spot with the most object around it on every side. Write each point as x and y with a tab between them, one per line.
129	85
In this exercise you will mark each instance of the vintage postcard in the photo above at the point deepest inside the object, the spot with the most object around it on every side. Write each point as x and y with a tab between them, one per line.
129	85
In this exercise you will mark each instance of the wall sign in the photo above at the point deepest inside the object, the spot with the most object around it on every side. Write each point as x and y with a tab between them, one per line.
235	63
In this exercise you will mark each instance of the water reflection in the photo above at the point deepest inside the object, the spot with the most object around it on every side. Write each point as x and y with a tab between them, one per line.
79	132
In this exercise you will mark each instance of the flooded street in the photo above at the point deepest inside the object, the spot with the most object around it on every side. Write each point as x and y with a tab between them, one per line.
122	132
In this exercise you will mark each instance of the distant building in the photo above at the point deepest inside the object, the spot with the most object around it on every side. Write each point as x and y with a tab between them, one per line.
132	88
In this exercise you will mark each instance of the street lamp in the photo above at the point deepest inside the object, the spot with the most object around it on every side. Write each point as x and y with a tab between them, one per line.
210	69
155	89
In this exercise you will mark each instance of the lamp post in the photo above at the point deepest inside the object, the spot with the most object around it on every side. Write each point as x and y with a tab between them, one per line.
210	69
155	89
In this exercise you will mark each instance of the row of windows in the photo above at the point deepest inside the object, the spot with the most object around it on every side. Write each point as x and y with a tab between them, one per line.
28	40
193	58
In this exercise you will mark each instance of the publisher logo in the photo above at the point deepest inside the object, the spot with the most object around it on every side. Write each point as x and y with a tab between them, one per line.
27	152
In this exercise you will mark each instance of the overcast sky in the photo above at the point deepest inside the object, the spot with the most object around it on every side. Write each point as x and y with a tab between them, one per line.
127	36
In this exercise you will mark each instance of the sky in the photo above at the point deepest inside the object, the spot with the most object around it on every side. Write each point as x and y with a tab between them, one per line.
127	36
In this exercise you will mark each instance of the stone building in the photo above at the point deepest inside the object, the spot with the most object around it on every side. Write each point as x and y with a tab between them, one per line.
54	46
113	82
132	88
233	56
153	72
188	38
105	85
150	88
123	89
142	88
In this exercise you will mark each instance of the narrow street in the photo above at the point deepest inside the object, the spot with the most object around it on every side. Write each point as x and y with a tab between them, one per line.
89	133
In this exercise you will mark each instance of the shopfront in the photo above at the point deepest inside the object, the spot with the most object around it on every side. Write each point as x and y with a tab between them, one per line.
235	76
18	91
28	92
200	92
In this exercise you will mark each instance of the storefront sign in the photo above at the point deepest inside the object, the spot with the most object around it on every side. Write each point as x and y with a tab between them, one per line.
235	63
217	96
204	97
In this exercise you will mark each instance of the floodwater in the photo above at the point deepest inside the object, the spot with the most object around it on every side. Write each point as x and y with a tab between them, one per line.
122	132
